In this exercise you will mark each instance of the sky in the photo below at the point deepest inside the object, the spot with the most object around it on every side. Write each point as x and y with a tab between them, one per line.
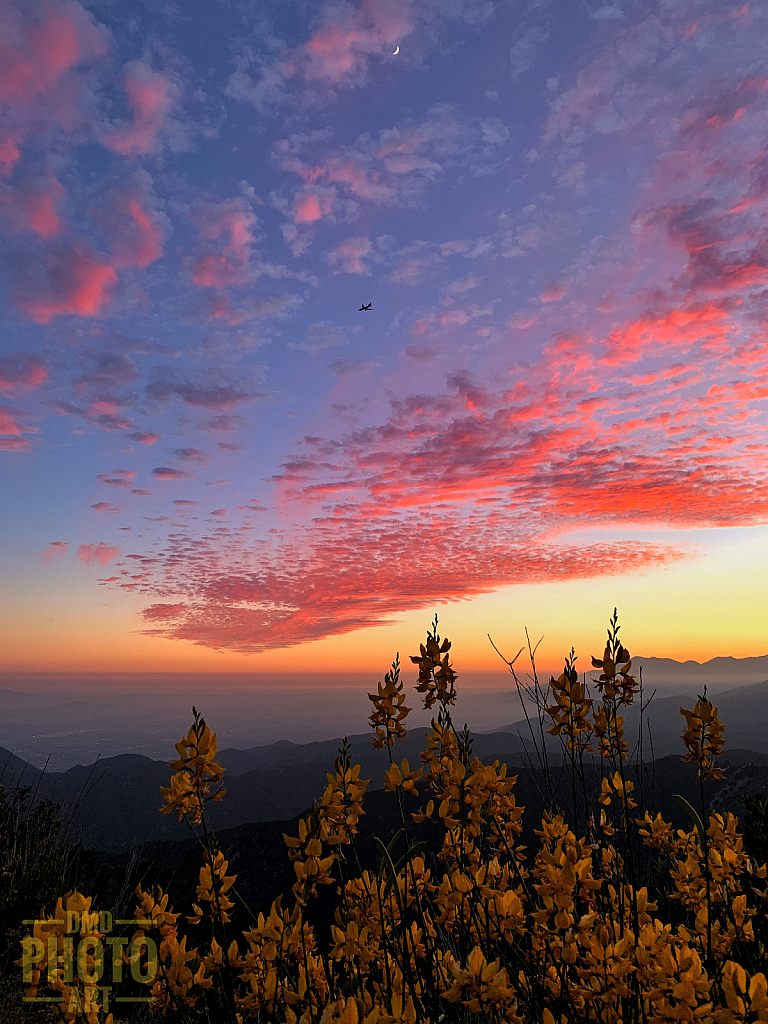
215	462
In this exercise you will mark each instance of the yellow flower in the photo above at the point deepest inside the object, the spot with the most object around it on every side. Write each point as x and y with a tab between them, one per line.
214	894
389	709
703	738
402	777
571	708
195	772
341	805
436	676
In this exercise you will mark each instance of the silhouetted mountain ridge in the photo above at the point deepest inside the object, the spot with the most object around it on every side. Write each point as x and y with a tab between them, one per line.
743	709
257	853
114	804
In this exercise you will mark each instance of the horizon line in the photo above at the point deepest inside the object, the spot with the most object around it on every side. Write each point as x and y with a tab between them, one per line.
68	676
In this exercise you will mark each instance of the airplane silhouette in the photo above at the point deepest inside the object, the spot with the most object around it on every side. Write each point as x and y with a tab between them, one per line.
365	307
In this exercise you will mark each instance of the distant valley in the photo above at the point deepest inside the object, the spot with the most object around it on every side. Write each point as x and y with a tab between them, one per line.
114	803
72	726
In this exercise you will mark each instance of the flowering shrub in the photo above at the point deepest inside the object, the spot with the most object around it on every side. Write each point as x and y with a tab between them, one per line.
482	929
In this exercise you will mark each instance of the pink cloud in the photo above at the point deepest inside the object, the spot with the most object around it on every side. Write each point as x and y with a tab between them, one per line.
105	506
554	292
10	420
338	52
224	422
252	307
163	611
150	243
33	205
420	353
215	272
15	444
348	255
21	370
346	367
311	207
141	492
569	434
41	208
723	110
36	53
144	436
103	415
191	455
521	320
227	234
101	376
679	328
208	393
9	155
389	171
411	270
184	501
45	53
71	281
151	97
455	316
219	512
167	473
100	553
56	551
135	229
295	599
117	478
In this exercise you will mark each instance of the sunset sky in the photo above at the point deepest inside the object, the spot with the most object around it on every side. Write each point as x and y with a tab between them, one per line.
213	462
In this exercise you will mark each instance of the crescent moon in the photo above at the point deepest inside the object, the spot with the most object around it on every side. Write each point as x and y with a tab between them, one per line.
397	50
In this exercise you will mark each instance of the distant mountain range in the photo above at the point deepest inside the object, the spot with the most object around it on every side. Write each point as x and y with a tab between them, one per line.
72	727
717	672
743	710
114	803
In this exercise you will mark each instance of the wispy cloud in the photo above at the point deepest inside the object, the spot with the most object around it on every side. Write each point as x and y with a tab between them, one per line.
169	473
55	551
99	553
151	97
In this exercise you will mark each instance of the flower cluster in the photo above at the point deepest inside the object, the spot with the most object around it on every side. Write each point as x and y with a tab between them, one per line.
306	852
703	737
571	710
341	805
195	772
389	709
214	883
69	959
436	676
171	977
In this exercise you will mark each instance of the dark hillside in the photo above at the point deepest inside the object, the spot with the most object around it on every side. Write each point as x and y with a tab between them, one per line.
257	852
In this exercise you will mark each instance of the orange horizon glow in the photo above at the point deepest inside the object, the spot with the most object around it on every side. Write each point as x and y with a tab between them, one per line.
675	612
